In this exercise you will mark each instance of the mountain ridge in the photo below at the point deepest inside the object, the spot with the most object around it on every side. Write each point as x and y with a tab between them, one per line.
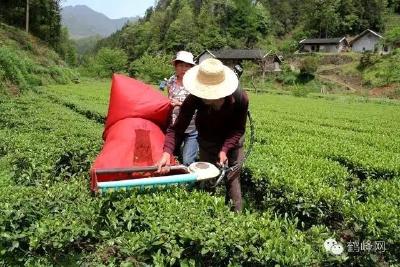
82	21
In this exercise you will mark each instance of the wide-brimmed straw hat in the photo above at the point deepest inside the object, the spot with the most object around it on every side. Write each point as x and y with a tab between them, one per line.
210	80
184	56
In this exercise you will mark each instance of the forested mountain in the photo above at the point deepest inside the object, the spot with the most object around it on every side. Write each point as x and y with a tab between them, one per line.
44	23
198	24
44	18
330	18
83	21
195	25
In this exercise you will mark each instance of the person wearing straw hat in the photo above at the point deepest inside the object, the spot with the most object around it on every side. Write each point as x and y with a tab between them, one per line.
177	94
221	110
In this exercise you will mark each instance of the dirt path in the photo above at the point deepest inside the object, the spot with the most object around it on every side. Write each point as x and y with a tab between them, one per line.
337	80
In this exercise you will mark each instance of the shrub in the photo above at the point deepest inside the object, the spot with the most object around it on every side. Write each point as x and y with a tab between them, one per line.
380	71
367	59
393	36
14	67
287	76
299	90
308	66
19	70
151	69
109	61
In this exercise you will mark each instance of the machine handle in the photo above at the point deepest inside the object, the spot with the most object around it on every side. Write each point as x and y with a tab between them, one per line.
138	169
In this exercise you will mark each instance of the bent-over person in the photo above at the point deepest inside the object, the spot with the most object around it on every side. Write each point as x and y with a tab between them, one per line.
220	121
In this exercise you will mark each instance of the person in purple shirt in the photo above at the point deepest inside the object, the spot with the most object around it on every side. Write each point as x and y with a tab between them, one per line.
221	110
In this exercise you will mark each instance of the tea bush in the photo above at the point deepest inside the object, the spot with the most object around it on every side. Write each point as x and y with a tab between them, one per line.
45	148
320	168
26	62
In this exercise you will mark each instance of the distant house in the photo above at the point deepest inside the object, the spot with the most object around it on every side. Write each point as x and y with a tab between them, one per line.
231	57
368	40
332	45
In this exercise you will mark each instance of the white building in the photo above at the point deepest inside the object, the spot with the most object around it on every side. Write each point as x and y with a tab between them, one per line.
368	40
330	45
269	62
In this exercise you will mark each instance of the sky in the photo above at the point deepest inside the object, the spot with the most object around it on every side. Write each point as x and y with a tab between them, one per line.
114	9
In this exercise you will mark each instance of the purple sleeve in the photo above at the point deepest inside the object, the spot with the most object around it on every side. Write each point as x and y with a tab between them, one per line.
182	122
239	127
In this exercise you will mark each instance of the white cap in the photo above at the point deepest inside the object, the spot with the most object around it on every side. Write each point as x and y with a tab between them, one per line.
184	56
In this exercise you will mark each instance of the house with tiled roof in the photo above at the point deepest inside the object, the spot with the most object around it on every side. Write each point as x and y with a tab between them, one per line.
231	57
330	45
369	40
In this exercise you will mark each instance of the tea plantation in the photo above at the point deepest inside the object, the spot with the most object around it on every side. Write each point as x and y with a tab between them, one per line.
320	168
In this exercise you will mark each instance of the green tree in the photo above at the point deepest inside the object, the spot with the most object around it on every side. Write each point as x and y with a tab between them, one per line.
86	45
340	17
247	21
322	21
308	67
348	18
209	33
182	31
66	48
44	18
151	69
136	39
213	24
109	61
392	37
285	14
373	13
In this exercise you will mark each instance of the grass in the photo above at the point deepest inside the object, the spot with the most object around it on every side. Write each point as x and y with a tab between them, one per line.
26	62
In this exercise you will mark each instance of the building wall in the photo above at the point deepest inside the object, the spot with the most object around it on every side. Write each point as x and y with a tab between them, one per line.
331	48
228	62
343	47
277	66
270	64
366	43
309	48
204	57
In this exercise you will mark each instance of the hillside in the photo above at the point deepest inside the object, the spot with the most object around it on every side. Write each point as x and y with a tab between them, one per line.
83	21
26	62
197	25
361	74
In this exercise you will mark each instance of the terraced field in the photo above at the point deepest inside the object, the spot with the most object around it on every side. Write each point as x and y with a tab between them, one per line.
320	168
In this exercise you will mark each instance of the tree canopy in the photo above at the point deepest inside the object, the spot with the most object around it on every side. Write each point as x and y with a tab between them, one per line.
196	25
44	18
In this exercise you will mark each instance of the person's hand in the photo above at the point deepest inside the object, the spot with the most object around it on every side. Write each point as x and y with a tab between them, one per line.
175	103
222	159
163	165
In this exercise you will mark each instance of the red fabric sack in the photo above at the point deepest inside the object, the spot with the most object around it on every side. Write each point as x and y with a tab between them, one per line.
130	98
133	134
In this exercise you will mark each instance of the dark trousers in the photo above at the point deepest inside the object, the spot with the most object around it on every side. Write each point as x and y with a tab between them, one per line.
209	152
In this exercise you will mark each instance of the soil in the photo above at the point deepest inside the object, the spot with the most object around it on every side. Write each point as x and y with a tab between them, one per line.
353	87
387	90
12	89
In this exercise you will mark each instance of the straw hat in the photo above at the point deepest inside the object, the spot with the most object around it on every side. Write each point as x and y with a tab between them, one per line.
184	56
210	80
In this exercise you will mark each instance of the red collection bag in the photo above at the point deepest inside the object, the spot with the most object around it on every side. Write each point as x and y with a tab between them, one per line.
133	134
130	98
